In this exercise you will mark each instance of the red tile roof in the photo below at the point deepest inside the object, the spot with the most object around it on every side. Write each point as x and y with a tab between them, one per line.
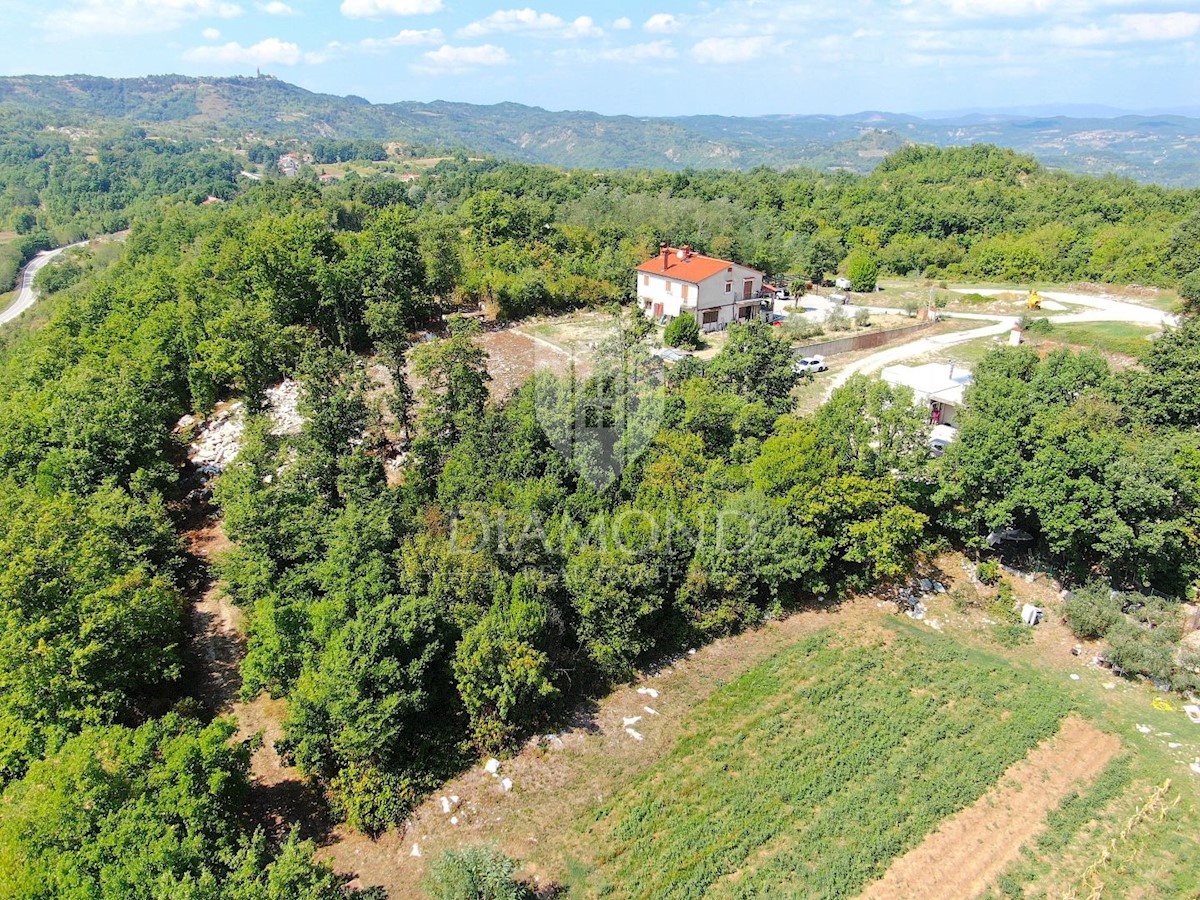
693	268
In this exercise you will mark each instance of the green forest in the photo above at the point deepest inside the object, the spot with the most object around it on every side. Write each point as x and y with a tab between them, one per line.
417	617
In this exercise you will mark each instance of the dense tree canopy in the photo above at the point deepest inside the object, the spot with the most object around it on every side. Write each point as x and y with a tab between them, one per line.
430	567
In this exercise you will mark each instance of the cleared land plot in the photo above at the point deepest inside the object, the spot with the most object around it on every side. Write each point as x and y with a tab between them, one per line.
1125	338
970	849
806	776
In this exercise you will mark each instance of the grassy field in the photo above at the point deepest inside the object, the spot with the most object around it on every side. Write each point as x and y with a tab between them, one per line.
808	774
1125	338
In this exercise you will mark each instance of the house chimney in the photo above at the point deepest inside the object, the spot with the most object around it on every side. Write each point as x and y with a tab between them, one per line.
666	255
687	252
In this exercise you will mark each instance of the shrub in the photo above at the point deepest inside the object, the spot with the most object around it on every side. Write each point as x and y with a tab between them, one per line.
988	571
862	318
476	873
1139	651
370	800
1092	611
835	319
682	331
963	596
862	271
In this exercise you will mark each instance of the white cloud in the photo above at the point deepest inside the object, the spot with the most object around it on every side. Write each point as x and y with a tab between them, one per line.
531	21
89	18
360	9
987	9
622	24
662	23
452	60
269	51
276	8
1172	26
211	34
735	49
651	52
407	38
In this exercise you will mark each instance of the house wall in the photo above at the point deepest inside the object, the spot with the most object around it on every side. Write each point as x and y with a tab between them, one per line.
711	294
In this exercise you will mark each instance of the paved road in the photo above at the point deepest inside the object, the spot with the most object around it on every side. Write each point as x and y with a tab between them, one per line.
26	296
1104	308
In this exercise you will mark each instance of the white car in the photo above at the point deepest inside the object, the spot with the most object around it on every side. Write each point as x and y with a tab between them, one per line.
810	365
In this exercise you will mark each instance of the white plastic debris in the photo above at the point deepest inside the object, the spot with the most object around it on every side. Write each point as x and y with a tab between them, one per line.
416	851
1074	677
445	804
692	652
1144	729
650	711
454	799
1030	614
454	820
649	692
1109	686
492	766
1193	712
506	783
633	734
1195	767
630	720
1174	745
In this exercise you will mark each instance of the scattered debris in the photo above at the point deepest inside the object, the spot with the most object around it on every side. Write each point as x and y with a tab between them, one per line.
1144	729
692	652
1108	686
1162	705
454	820
492	766
935	624
633	734
1174	745
1195	767
1031	615
506	783
939	588
1074	677
446	805
650	711
926	585
416	850
649	692
1193	712
630	720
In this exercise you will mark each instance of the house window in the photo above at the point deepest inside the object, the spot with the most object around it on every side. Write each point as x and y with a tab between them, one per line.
646	305
729	287
645	281
669	288
684	292
748	288
710	316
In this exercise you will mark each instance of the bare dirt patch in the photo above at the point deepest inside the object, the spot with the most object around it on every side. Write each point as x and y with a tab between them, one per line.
971	848
513	357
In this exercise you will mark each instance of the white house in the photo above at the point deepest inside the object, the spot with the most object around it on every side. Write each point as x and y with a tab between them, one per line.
937	386
715	291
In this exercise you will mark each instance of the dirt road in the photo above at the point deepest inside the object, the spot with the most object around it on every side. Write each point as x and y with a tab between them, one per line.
1101	308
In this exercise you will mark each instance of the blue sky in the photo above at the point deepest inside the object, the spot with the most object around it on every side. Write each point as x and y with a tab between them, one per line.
742	57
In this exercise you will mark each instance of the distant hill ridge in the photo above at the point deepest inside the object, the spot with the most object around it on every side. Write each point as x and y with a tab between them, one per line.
1163	148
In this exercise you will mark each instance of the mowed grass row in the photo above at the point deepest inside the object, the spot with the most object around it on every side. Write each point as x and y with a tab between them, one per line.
809	774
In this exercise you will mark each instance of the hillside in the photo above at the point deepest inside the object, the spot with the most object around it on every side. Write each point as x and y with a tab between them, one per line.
1161	149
